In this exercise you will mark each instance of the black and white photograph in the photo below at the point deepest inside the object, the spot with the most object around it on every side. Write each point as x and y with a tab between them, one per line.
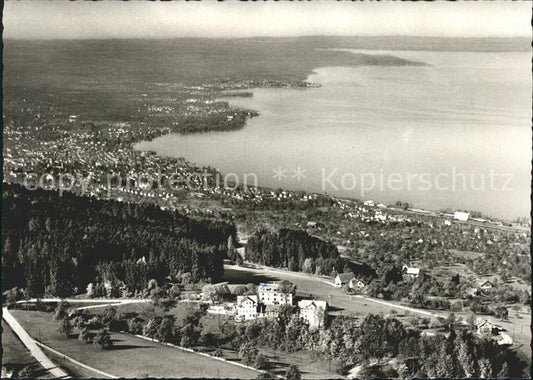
266	189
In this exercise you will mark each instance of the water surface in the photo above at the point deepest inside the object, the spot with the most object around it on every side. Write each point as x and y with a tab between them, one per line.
450	127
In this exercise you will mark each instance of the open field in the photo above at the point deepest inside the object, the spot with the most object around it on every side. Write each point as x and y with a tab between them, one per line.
16	356
131	356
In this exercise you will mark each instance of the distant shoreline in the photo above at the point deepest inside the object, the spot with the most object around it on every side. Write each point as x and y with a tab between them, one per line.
250	92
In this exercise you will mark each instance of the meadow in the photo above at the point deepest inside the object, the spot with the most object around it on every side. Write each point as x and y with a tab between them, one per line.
130	356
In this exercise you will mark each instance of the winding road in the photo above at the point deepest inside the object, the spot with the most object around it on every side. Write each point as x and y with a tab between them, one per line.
32	346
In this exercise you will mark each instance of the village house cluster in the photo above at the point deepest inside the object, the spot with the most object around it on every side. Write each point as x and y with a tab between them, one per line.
266	303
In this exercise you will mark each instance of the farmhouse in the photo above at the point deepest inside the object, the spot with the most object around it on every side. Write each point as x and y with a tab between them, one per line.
356	284
314	312
343	278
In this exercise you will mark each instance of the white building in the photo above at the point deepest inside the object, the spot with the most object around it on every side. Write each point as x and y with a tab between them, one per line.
410	272
270	295
247	307
356	284
314	312
343	278
462	216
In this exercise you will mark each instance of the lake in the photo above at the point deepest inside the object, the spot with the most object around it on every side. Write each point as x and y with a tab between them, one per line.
455	134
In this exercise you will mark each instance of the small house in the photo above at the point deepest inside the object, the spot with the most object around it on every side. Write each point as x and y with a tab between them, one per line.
486	285
356	284
483	326
313	312
343	278
410	272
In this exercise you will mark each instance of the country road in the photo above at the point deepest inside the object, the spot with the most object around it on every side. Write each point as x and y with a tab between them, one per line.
80	364
32	346
101	302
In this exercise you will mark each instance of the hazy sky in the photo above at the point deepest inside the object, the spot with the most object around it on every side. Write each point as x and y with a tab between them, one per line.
143	19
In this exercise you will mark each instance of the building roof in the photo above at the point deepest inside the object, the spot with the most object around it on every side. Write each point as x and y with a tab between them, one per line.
304	304
344	277
241	299
221	288
480	322
267	286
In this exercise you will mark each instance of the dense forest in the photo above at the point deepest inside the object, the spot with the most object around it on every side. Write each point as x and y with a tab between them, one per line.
295	250
58	245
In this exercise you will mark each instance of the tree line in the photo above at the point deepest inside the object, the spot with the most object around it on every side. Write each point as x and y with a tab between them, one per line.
57	245
293	249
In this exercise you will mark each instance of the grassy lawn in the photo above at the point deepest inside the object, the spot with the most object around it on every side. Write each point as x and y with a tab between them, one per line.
16	356
131	356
